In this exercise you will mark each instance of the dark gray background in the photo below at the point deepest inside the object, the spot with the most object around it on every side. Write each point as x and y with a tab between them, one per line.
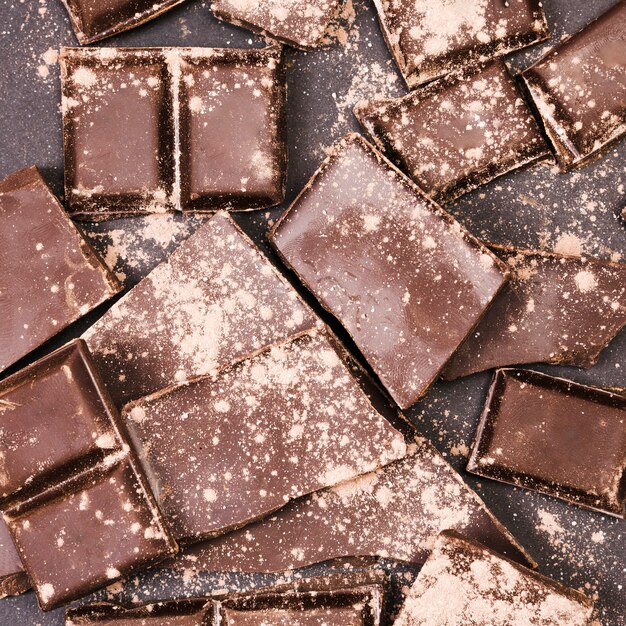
538	207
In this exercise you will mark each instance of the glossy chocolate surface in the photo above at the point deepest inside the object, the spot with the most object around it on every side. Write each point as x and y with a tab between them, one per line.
49	275
431	38
215	300
548	312
465	584
402	276
579	89
457	133
554	436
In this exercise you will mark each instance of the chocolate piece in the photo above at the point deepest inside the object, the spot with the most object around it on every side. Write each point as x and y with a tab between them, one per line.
547	313
149	130
229	449
431	38
214	301
93	20
402	276
73	497
300	23
49	275
395	512
554	436
465	584
13	578
579	90
457	133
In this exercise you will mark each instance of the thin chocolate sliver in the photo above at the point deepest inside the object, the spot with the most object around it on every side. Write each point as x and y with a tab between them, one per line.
13	578
554	436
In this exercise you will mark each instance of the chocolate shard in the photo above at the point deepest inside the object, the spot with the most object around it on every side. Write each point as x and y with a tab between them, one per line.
49	275
547	313
402	276
457	133
431	38
579	90
74	499
214	301
396	512
465	584
13	578
299	23
554	436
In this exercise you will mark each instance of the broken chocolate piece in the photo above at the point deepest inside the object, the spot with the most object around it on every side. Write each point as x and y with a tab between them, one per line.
214	301
13	578
465	584
458	133
300	23
402	276
547	313
432	38
49	275
579	90
72	491
554	436
231	448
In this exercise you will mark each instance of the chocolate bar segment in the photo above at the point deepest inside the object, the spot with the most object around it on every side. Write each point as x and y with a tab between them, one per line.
49	275
579	90
13	578
547	313
458	133
554	436
214	301
431	38
465	584
402	276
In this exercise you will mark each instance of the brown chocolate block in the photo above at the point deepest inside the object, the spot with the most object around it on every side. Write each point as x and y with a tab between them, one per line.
402	276
13	578
579	90
555	309
79	511
554	436
465	584
457	133
396	512
231	448
214	301
49	275
299	23
431	38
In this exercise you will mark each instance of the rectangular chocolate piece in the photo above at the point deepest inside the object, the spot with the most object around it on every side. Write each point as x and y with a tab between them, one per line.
76	504
402	276
49	275
231	448
554	436
457	133
548	312
214	301
465	584
299	23
431	38
149	130
13	578
579	89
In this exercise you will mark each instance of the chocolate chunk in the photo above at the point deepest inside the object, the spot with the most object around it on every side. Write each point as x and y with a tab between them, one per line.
13	578
458	133
547	313
579	90
395	512
49	275
299	23
93	20
214	301
430	38
465	584
229	449
149	130
73	497
554	436
402	276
